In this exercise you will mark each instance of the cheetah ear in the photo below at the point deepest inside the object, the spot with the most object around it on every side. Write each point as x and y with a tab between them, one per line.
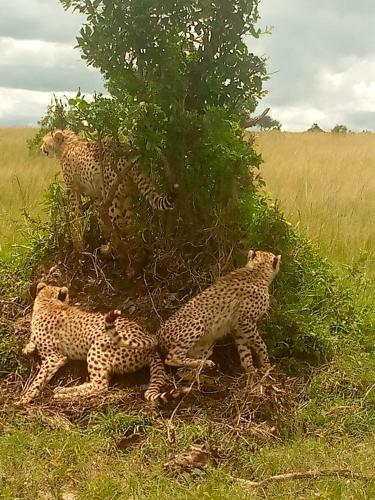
40	286
58	137
251	255
63	294
276	261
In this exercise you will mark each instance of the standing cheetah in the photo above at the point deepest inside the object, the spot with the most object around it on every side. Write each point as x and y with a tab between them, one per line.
60	332
82	163
233	304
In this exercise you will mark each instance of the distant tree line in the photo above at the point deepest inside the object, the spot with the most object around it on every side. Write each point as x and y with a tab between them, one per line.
337	129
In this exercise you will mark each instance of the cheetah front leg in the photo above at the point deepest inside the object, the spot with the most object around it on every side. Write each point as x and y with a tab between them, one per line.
121	210
47	370
77	228
247	337
159	380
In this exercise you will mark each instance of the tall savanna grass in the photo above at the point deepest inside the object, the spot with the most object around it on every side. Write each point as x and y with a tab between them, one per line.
24	177
326	184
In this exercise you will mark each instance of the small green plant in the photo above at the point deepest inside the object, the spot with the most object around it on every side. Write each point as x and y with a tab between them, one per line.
17	266
115	422
55	117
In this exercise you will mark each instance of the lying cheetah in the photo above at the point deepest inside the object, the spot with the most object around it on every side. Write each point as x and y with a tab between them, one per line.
233	304
81	168
60	332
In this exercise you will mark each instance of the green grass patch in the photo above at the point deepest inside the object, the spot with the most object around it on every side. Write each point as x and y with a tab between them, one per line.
36	460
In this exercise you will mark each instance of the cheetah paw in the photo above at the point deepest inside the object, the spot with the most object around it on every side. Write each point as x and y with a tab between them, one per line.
209	363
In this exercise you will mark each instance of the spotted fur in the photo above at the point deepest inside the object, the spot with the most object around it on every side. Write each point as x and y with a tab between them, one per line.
233	304
60	332
160	387
81	164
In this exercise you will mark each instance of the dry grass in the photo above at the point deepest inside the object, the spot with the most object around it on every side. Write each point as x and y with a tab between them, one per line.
326	184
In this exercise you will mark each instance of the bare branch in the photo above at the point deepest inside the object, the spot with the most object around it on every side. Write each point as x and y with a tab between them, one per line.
309	474
251	122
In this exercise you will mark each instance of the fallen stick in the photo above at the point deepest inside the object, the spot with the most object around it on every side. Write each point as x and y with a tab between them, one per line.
309	474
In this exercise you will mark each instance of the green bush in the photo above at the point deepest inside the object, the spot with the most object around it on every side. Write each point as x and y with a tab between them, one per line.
9	349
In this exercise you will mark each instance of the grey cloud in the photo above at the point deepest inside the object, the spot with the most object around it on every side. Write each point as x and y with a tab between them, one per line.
361	120
311	38
38	20
22	119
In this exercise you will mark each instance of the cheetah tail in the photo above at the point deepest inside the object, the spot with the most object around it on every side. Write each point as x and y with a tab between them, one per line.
133	342
146	187
110	326
29	348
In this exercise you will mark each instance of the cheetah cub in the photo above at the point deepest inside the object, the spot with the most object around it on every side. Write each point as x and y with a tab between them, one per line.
60	332
233	304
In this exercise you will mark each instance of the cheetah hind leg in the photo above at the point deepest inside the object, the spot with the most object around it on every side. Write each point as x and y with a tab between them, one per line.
177	357
159	381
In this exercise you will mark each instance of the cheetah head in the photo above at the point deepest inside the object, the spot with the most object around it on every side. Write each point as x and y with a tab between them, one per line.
52	292
268	260
52	142
55	142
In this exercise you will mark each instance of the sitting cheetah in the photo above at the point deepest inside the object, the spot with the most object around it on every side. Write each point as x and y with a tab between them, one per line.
233	304
60	332
81	168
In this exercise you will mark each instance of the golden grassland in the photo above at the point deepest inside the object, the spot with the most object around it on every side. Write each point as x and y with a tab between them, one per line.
326	185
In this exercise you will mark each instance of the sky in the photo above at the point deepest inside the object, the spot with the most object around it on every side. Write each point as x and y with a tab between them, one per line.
320	57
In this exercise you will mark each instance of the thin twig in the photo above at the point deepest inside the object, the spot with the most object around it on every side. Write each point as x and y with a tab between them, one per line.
170	426
152	300
11	302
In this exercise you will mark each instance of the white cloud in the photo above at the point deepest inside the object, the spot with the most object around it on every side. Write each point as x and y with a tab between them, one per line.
354	87
38	20
342	97
295	119
21	106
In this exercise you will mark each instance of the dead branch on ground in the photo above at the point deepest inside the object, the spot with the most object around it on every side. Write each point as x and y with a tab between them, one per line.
309	474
